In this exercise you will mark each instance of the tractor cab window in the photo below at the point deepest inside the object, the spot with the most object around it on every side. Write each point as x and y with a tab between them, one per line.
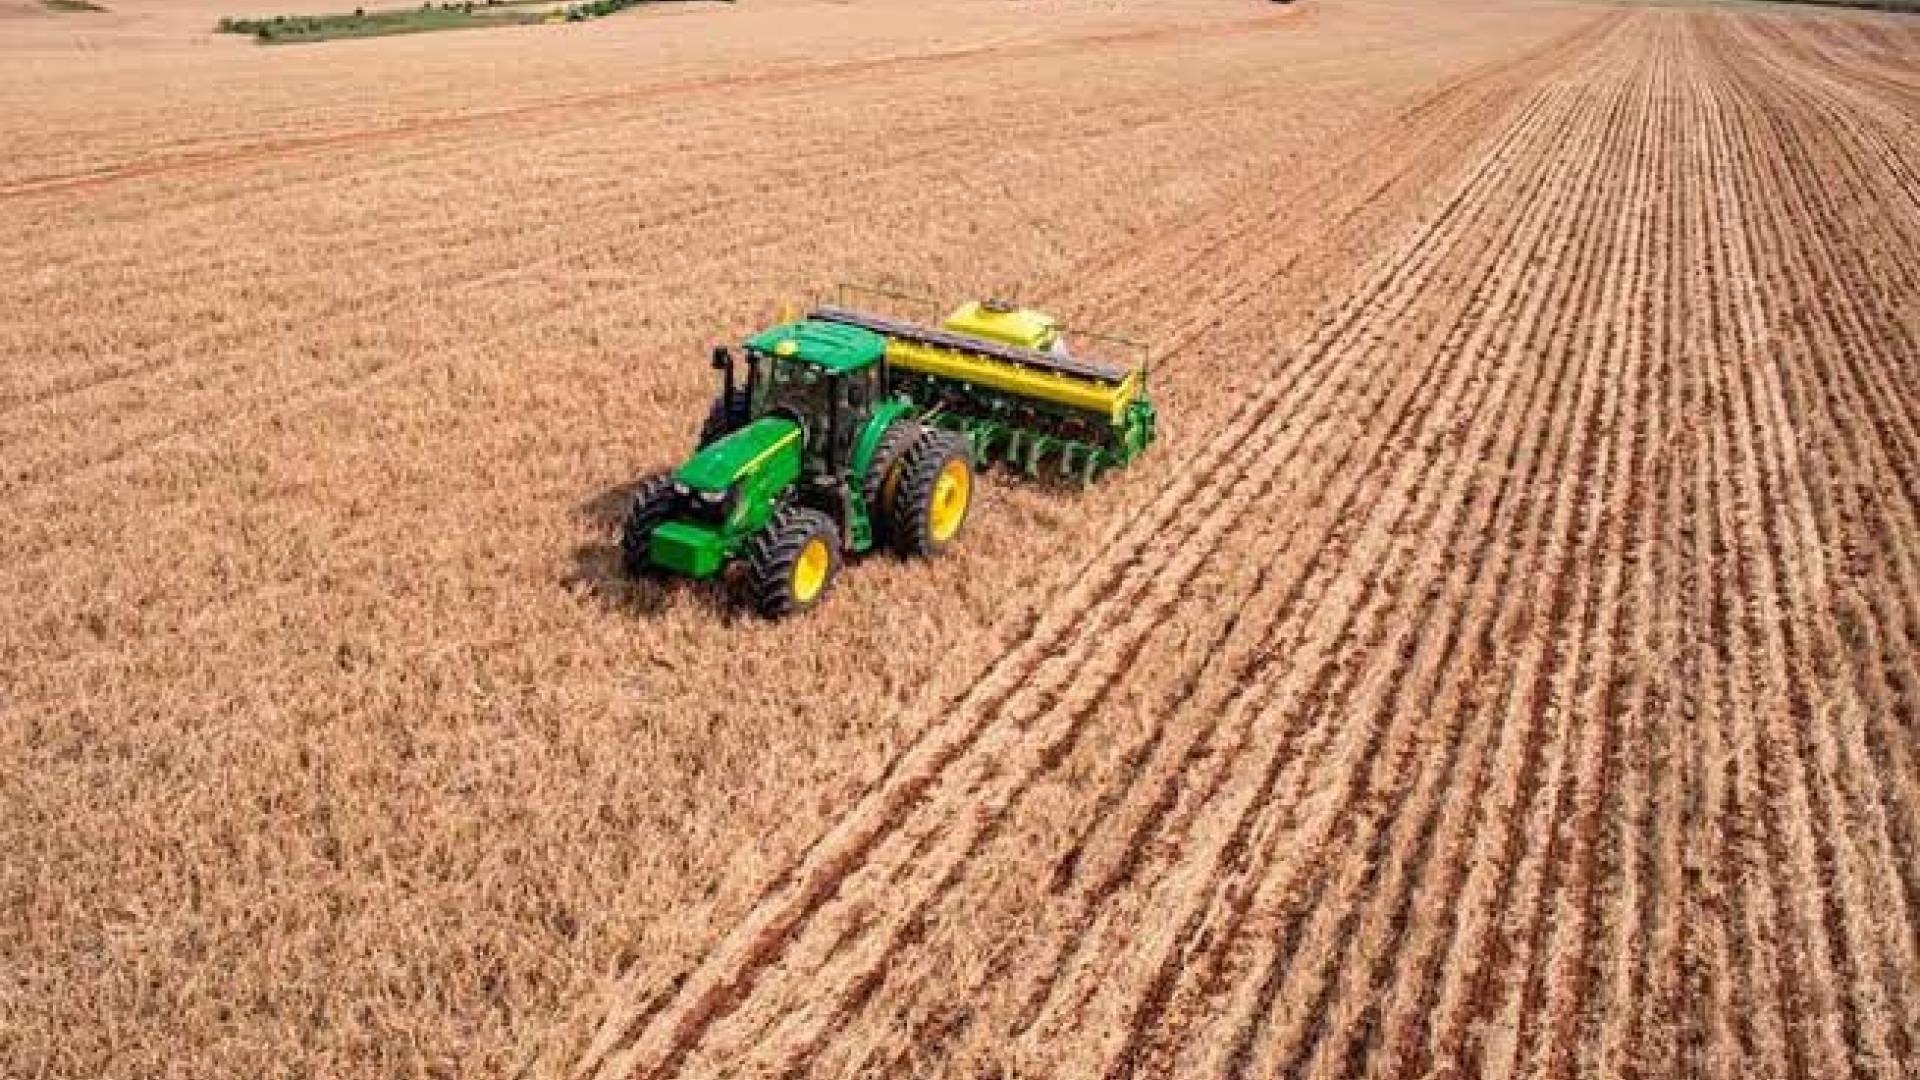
803	391
855	398
862	390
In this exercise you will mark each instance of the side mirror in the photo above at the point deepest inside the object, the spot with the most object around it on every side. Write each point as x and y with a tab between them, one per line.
722	359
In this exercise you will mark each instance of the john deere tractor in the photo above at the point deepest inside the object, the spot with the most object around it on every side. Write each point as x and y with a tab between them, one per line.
851	432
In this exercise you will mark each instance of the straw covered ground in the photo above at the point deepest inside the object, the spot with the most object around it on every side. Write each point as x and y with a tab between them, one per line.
1506	664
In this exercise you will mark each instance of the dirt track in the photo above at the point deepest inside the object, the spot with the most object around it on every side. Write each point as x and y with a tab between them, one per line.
1506	667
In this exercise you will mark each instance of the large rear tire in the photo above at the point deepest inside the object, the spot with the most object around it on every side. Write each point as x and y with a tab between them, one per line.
882	482
652	506
935	493
793	561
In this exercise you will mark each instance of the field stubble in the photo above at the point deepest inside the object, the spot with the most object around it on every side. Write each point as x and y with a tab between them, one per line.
1505	667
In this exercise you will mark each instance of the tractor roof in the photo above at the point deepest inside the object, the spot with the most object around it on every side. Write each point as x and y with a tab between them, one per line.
828	345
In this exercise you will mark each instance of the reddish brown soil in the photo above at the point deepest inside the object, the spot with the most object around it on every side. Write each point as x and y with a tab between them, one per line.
1505	666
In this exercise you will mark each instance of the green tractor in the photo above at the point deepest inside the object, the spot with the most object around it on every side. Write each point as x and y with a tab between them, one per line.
807	462
853	431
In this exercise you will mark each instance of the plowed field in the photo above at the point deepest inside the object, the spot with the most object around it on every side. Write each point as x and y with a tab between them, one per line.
1506	665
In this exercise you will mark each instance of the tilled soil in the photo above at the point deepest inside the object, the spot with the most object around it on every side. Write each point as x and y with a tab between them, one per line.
1505	666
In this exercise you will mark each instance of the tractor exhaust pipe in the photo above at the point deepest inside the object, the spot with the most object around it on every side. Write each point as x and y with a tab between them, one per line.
723	363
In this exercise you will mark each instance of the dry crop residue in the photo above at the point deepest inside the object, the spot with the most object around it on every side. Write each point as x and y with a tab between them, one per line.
1501	708
1505	666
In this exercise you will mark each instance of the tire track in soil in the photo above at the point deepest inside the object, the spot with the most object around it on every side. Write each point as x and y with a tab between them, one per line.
1769	966
934	1031
1232	932
1284	1049
1813	859
1614	200
1258	692
971	799
755	941
1096	951
747	1038
1476	951
1856	857
1565	920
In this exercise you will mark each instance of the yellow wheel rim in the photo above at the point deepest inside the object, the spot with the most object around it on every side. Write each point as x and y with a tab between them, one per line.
951	493
810	570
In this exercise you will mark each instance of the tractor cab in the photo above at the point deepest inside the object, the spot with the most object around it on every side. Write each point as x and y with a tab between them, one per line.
854	431
824	377
815	456
811	459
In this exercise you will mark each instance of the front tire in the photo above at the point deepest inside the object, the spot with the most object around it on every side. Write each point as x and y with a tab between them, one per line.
792	563
652	505
935	493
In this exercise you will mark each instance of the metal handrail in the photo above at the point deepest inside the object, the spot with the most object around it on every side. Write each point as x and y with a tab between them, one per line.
1146	352
842	289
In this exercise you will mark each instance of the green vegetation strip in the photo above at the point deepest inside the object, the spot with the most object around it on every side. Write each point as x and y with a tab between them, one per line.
288	29
1908	7
72	5
361	23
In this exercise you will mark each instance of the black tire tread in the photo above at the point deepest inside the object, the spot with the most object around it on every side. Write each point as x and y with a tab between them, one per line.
887	455
914	497
652	505
772	552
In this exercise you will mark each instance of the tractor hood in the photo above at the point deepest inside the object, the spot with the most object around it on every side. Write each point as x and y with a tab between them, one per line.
736	456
